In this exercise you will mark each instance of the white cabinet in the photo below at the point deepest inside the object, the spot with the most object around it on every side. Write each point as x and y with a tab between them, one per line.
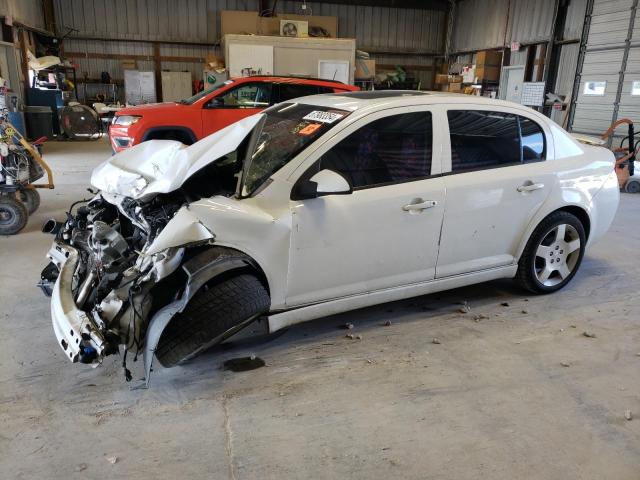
287	56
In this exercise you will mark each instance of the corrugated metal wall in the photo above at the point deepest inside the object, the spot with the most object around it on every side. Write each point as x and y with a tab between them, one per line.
399	36
28	12
530	21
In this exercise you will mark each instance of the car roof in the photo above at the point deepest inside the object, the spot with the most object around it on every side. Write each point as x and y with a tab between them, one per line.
399	98
299	80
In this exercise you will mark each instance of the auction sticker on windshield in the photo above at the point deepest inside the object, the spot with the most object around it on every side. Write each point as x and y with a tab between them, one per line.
324	117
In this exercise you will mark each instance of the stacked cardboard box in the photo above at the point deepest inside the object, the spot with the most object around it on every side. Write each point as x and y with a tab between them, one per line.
488	65
449	83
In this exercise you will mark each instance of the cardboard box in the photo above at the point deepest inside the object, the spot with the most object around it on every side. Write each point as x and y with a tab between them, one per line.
489	58
442	78
487	73
451	87
365	68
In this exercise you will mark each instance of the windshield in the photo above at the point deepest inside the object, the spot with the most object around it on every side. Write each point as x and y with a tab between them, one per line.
194	98
288	129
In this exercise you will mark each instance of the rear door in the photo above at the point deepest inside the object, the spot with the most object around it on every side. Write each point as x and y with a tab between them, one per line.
235	104
496	182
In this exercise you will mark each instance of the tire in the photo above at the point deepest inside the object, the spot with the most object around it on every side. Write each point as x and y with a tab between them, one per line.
13	215
549	262
211	316
31	199
632	186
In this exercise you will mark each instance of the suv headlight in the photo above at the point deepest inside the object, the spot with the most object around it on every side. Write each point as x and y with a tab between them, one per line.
125	120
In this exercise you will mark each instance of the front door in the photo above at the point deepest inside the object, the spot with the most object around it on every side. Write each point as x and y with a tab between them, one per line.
235	104
385	233
498	180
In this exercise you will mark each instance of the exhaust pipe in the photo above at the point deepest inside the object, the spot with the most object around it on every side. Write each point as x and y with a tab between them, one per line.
52	226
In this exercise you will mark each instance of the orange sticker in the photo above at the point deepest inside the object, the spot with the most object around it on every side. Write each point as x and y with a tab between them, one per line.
310	129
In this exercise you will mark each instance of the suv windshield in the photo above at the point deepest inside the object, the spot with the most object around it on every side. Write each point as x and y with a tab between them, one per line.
194	98
288	129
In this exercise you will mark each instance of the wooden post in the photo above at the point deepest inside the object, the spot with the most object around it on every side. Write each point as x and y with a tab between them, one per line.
25	62
157	67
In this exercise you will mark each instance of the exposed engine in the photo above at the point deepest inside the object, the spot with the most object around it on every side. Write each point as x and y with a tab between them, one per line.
114	279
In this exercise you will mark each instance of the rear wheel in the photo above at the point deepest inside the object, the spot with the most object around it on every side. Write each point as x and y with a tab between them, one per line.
13	215
212	315
553	254
31	199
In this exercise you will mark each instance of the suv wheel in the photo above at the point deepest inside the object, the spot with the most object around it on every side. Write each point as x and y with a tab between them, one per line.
212	315
553	254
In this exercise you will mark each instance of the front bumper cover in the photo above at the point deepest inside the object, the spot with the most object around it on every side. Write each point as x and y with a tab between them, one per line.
75	330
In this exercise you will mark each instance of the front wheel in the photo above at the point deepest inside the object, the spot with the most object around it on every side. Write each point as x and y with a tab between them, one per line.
553	253
214	314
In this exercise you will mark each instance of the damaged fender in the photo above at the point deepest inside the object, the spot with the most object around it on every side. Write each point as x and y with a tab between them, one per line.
184	229
199	270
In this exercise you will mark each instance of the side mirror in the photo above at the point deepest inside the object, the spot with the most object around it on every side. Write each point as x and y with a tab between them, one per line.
325	182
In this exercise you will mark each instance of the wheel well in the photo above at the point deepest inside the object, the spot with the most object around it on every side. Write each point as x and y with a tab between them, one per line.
581	214
181	134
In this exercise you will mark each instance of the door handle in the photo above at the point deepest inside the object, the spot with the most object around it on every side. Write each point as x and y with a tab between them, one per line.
530	187
413	207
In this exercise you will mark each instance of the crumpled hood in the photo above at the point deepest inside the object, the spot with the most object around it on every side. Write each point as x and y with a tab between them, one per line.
162	166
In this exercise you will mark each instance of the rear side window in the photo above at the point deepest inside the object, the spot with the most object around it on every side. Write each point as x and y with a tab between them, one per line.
533	144
482	139
289	91
392	149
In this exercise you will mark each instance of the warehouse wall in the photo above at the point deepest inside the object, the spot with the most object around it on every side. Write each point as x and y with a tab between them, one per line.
529	21
28	12
397	36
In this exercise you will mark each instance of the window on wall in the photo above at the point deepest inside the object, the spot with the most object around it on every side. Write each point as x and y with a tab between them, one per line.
392	149
594	88
483	139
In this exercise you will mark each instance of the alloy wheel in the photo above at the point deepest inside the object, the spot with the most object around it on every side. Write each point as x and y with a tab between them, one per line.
557	255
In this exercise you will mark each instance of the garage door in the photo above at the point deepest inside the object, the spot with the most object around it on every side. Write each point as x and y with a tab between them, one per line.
609	68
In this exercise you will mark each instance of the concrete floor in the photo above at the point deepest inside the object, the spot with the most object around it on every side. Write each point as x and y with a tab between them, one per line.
492	400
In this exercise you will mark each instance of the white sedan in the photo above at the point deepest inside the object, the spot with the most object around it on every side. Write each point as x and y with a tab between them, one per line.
319	206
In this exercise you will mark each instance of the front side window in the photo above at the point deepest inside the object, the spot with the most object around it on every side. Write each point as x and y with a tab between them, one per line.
483	139
249	95
288	129
392	149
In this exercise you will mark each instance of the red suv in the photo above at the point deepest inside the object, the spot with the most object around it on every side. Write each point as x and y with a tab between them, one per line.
207	112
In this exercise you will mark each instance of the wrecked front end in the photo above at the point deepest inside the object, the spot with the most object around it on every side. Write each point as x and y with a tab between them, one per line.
128	255
104	277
